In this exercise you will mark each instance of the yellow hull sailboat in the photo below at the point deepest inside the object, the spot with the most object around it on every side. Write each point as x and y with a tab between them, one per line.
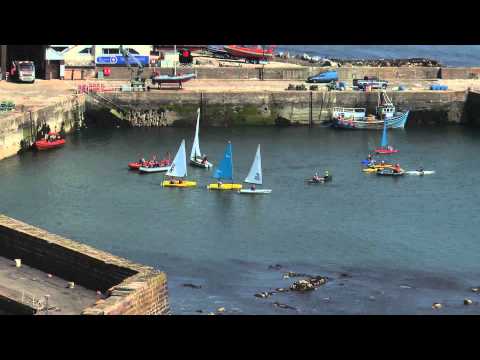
178	171
225	172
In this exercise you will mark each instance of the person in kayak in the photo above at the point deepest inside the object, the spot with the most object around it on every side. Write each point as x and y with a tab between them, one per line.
396	168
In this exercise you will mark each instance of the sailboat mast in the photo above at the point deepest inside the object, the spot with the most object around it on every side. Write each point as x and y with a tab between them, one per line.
175	61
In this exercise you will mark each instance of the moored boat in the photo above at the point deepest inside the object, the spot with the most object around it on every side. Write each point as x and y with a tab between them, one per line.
52	141
255	176
356	118
250	52
224	171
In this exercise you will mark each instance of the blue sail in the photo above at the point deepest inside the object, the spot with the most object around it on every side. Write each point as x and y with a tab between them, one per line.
225	168
384	136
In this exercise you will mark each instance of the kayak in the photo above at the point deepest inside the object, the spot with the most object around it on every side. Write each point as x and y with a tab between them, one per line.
198	162
143	169
374	169
256	191
183	184
390	172
45	145
420	173
224	187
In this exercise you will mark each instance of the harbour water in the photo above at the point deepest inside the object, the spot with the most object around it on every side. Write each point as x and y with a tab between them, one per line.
400	243
448	55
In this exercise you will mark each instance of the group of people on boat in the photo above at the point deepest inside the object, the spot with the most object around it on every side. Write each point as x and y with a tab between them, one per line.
154	163
52	137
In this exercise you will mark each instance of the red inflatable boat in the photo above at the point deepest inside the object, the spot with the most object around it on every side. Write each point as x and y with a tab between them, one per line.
53	141
137	165
385	151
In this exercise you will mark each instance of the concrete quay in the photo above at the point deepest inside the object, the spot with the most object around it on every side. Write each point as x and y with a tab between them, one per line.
127	288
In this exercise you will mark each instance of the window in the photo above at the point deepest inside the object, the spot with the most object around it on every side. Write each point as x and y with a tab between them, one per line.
87	50
111	51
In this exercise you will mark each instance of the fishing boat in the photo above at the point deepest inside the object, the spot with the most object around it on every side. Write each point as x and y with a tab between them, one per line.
158	79
255	176
384	148
224	171
355	118
52	141
196	158
178	171
420	172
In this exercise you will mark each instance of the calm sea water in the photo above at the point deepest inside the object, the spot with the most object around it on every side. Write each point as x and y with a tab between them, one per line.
448	55
406	242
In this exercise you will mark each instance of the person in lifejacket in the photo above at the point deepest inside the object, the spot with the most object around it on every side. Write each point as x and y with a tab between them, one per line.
396	168
316	178
204	159
253	187
421	170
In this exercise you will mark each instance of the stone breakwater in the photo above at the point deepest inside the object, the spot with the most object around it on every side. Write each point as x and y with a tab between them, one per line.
129	288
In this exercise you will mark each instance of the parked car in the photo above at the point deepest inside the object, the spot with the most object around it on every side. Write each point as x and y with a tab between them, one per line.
371	81
337	85
323	77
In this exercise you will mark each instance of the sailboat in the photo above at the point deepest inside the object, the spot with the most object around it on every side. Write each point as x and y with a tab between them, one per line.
384	148
196	158
178	170
255	176
224	171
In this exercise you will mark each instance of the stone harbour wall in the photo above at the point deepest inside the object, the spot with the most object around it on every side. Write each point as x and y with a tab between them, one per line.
131	288
21	125
286	107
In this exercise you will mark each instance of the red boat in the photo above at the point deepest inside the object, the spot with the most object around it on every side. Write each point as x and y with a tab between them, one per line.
385	151
53	141
250	52
149	163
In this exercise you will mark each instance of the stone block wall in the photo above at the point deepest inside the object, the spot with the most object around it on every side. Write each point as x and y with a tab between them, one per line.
131	288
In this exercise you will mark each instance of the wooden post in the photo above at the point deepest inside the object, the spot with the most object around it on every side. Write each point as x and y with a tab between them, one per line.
310	120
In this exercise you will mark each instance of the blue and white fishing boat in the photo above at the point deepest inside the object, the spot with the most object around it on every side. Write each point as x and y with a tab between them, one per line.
356	118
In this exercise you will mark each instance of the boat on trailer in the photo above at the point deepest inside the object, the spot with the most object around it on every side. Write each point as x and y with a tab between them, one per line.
224	171
176	174
356	118
255	176
196	158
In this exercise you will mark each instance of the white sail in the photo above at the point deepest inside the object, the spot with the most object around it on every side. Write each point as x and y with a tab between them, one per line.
196	143
179	164
255	173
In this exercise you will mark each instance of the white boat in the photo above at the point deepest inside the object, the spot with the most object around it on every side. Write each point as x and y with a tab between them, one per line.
420	173
196	158
255	176
153	169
